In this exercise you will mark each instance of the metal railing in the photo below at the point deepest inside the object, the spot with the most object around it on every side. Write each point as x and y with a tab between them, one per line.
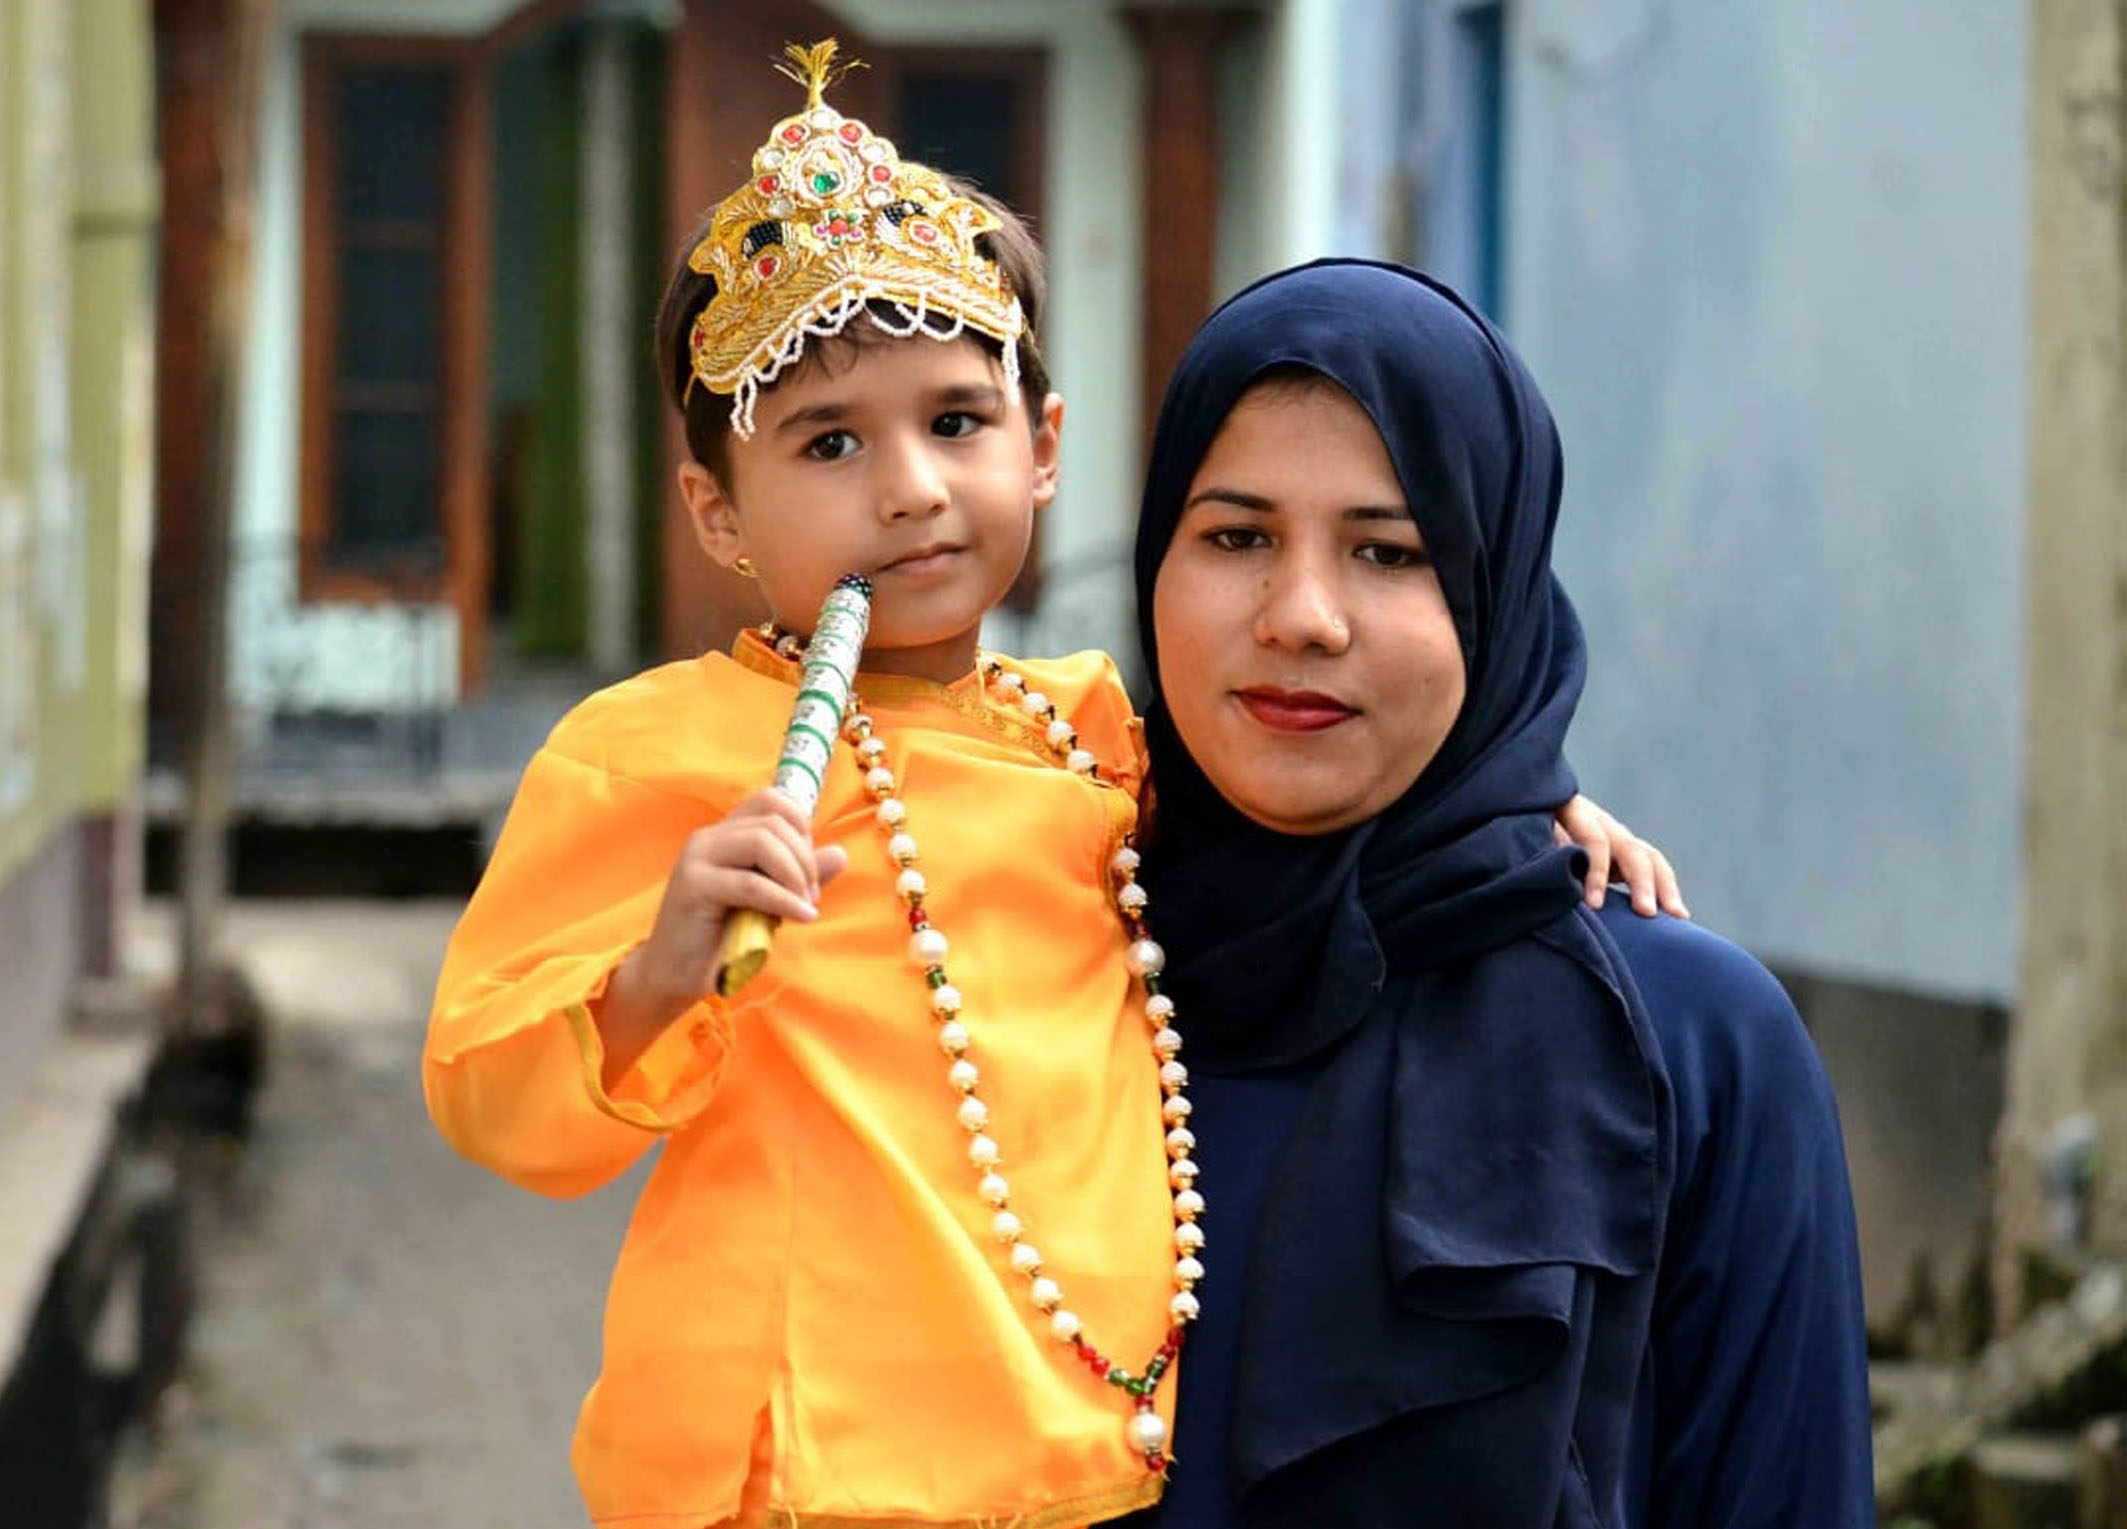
327	690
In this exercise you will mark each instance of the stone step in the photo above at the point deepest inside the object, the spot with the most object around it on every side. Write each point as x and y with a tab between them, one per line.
2026	1481
1907	1385
2065	1364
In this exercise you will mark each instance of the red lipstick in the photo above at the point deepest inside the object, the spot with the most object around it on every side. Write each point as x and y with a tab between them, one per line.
1294	711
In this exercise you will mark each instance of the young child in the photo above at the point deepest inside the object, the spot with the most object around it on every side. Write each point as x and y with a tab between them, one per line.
914	1252
920	1245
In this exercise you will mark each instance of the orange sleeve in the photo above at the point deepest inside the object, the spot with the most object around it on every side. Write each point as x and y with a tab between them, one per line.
513	1061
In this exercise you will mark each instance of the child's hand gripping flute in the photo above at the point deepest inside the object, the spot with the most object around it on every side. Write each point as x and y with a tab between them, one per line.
824	682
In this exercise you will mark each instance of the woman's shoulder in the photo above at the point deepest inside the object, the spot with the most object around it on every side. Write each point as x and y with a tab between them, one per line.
1730	1037
1688	964
1743	1070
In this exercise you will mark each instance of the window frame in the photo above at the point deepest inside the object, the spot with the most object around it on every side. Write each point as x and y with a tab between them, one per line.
461	389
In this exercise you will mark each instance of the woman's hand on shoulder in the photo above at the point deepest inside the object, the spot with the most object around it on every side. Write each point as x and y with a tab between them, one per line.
1616	853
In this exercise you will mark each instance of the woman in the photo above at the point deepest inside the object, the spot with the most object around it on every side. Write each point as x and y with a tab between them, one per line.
1521	1214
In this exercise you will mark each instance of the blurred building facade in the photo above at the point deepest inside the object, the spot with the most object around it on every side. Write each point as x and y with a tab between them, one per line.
453	472
78	214
78	199
1773	266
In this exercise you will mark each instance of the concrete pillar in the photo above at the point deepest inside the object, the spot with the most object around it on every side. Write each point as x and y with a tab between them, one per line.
112	379
2068	1048
611	332
210	62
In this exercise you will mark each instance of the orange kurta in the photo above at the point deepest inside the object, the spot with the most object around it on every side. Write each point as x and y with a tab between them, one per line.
810	1314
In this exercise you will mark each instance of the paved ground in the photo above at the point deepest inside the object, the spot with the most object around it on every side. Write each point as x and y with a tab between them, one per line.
387	1335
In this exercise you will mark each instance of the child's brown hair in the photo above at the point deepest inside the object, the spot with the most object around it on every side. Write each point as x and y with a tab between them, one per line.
707	415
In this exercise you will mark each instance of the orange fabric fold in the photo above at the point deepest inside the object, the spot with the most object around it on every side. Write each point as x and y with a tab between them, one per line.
809	1265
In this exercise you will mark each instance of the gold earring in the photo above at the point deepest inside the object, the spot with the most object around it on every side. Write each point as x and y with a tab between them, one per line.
743	567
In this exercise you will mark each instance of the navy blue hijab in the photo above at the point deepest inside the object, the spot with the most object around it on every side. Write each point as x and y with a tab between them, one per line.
1464	861
1491	1119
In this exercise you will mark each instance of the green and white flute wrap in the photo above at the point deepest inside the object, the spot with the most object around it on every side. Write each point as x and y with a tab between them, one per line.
825	678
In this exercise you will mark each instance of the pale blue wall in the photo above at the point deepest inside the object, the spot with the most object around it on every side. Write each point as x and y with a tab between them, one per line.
1768	263
1772	275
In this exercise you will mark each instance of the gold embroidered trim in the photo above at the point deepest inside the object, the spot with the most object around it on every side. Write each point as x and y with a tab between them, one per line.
751	652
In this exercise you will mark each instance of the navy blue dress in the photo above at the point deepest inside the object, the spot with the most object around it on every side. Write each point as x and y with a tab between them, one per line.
1750	1403
1521	1216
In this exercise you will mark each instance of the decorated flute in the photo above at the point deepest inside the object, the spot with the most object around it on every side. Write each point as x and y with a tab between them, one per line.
825	677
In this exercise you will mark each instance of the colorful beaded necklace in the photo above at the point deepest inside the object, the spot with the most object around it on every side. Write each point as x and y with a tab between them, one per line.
1146	1430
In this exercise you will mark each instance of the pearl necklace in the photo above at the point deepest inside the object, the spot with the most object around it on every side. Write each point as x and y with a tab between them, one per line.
1146	1429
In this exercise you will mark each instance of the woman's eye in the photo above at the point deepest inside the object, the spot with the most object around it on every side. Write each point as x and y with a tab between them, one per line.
1394	555
831	447
1236	538
956	424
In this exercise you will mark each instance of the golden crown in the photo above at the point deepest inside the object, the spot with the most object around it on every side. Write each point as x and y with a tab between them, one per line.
833	222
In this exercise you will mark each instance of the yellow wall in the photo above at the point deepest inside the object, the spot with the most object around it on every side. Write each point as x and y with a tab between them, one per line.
77	210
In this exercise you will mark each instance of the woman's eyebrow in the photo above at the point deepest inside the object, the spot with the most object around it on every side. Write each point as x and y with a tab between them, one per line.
1240	499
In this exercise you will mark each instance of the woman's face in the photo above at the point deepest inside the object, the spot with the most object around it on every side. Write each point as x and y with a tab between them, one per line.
1306	650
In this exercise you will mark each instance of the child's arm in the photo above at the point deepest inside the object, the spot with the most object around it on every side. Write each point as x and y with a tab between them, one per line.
516	1069
762	857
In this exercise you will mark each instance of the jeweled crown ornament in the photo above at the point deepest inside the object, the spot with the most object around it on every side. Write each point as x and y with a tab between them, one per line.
833	222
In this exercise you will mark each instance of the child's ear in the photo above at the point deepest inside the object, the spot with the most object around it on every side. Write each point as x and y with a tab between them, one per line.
1048	445
710	510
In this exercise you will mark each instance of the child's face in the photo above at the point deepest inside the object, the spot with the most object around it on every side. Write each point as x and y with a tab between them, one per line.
1306	650
911	461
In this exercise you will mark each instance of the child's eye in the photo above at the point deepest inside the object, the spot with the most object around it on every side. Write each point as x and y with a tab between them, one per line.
956	424
1236	538
832	446
1394	555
